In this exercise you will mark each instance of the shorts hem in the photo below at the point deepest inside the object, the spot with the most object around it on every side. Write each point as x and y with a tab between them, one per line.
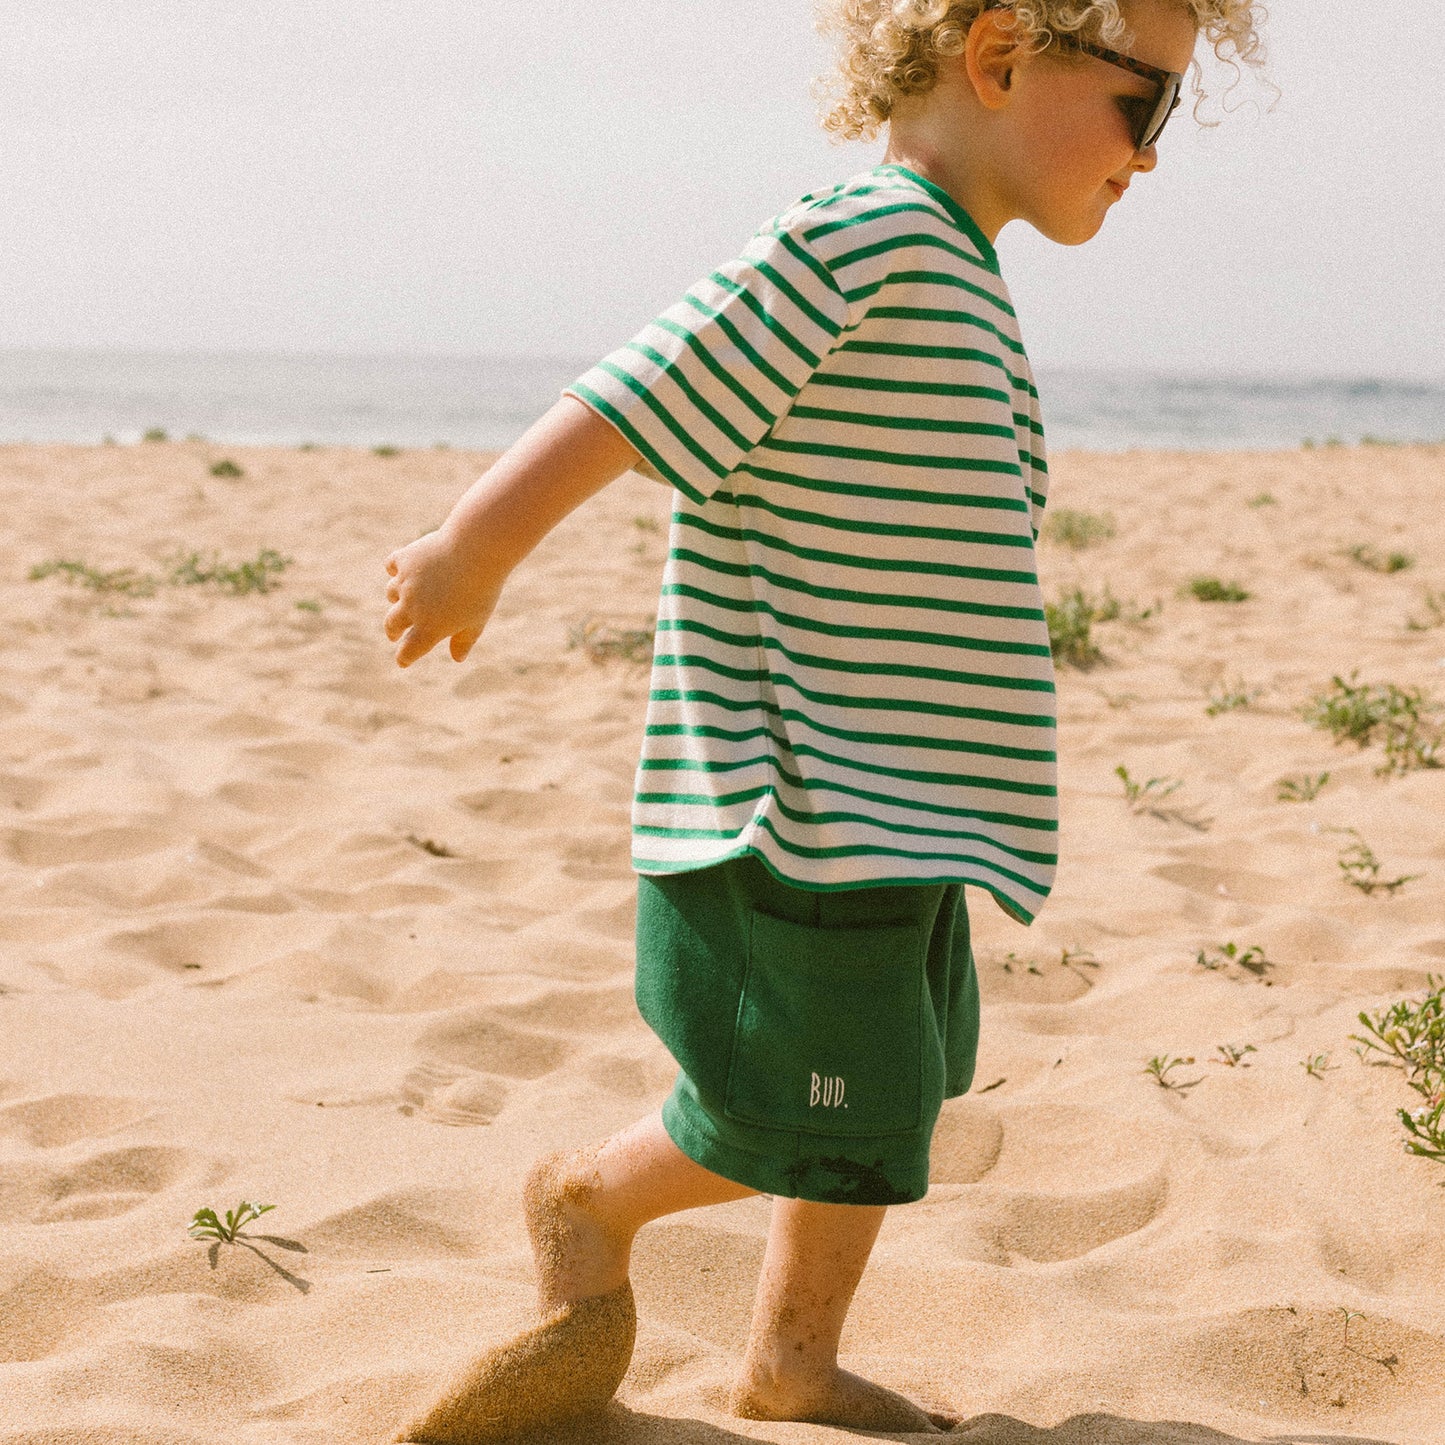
820	1170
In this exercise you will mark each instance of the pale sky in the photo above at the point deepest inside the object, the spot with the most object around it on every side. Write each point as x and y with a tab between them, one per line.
462	177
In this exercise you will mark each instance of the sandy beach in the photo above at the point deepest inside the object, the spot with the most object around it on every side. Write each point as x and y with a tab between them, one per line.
284	923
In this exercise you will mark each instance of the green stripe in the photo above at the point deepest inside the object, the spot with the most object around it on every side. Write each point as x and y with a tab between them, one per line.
849	850
904	423
853	764
859	633
679	377
694	344
760	365
640	443
875	529
922	278
843	594
892	459
941	353
746	295
897	208
1011	905
957	214
753	703
846	559
827	819
922	742
1023	821
740	674
947	318
911	388
824	323
790	244
980	500
650	400
751	641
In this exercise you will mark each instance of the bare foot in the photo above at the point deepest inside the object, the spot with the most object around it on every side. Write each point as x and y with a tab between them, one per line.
570	1364
841	1398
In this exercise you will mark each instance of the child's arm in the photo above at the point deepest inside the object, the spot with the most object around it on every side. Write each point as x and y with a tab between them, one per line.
446	583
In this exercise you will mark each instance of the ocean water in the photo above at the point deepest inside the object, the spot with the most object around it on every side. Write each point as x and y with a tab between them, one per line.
486	402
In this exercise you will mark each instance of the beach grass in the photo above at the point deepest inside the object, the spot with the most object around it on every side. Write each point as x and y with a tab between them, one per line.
1402	717
1215	589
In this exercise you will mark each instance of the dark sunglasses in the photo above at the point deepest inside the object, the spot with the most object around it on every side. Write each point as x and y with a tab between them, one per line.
1148	118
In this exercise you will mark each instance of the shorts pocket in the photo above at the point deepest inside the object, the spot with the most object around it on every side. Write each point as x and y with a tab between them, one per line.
829	1032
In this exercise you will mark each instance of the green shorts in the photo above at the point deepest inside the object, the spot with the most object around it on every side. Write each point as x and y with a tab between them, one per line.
817	1033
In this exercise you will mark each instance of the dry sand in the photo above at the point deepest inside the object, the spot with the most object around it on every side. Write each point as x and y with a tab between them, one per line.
284	923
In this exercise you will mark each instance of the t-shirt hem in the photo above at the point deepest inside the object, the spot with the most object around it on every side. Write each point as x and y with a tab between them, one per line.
659	866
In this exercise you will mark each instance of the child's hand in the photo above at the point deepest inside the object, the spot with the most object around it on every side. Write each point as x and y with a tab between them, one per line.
437	593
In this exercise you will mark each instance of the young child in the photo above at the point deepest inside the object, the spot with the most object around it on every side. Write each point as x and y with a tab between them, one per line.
852	706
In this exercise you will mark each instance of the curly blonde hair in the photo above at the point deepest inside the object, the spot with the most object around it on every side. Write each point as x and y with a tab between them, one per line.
890	48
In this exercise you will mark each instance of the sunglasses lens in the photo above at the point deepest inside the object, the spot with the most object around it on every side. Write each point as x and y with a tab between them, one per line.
1168	100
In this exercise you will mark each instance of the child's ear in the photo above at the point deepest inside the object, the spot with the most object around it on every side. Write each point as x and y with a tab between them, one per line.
989	57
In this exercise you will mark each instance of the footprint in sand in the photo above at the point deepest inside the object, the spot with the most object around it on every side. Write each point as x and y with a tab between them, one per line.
101	1187
475	1039
448	1095
55	845
61	1119
1045	1228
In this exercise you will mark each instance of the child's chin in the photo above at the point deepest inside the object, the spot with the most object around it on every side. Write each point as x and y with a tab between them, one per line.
1071	232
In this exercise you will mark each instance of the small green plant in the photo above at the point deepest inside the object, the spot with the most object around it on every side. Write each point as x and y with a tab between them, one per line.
1251	959
1264	499
257	576
1212	589
1317	1065
1434	614
1403	716
308	604
125	580
1231	696
385	451
1361	868
1411	1032
1303	789
602	640
206	1224
1141	797
1077	529
155	434
1376	561
226	468
645	524
1161	1066
1075	959
307	447
1147	796
1070	622
1234	1057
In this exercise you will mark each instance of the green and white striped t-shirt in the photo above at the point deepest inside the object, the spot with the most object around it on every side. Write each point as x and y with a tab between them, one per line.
852	678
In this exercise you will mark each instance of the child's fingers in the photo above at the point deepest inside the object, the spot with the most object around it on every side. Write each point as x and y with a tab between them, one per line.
414	645
396	622
463	642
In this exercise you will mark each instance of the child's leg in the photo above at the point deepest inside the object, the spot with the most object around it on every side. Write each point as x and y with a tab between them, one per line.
815	1257
583	1209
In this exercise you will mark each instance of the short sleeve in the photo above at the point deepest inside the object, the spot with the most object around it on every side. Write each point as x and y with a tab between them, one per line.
700	387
